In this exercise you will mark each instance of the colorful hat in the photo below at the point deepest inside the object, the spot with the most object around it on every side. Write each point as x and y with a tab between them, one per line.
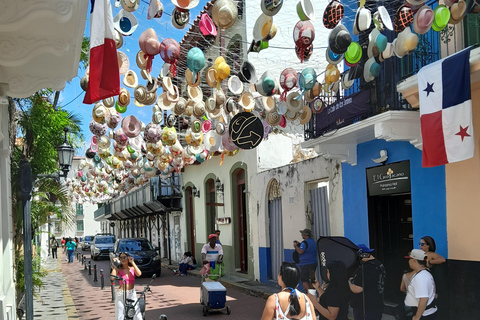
441	18
353	54
306	80
224	13
149	43
266	85
257	46
377	42
333	58
293	104
306	115
170	52
403	18
222	69
180	18
125	22
405	43
206	25
305	10
371	69
318	105
185	4
235	85
422	22
303	33
130	79
333	14
339	39
195	60
210	77
457	11
131	126
247	72
271	7
332	74
288	81
246	101
112	118
363	20
262	27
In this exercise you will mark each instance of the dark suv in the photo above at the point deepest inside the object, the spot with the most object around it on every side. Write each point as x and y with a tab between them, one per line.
145	256
101	246
87	240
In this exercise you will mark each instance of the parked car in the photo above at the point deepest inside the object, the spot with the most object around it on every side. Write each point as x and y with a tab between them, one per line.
101	246
85	244
146	257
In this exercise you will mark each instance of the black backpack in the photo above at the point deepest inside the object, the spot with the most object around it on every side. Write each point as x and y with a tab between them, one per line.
296	255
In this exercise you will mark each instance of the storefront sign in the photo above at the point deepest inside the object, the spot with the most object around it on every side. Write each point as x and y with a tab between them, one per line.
389	179
343	112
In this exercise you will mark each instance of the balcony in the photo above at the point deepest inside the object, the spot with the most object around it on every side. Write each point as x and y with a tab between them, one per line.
369	99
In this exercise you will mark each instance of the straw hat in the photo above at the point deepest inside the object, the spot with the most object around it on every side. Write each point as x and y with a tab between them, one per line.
130	5
306	115
98	113
294	104
118	37
131	126
164	103
224	13
291	115
123	98
180	106
268	104
219	97
199	109
246	101
405	43
457	11
273	118
109	102
141	60
211	77
195	93
210	104
185	4
189	77
130	79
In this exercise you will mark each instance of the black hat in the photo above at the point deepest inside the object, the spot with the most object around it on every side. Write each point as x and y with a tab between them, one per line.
339	39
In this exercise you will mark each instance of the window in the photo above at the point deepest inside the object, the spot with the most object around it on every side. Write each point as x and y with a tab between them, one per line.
79	209
79	225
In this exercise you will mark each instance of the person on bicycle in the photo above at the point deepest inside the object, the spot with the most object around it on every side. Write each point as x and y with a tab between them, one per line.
128	270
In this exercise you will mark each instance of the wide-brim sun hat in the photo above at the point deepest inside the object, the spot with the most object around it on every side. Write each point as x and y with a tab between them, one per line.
210	77
371	69
125	22
273	118
224	13
129	5
262	27
291	115
207	26
167	85
109	102
363	20
293	104
141	60
235	85
123	62
305	10
422	22
212	141
271	7
123	98
246	101
339	39
306	115
247	72
98	113
164	103
199	109
457	12
268	104
180	106
266	85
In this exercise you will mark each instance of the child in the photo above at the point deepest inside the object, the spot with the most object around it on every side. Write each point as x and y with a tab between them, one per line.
186	264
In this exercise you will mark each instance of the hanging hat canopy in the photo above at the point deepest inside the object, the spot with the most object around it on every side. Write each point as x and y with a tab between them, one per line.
271	7
195	60
170	52
333	14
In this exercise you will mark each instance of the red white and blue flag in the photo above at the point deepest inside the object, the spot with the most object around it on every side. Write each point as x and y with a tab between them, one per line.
104	76
446	110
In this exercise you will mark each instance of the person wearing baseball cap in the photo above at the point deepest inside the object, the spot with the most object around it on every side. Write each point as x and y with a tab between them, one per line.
421	290
307	260
212	251
370	275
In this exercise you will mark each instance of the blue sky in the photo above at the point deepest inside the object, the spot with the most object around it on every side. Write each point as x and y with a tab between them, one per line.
164	29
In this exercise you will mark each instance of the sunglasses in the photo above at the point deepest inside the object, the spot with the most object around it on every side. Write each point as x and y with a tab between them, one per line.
422	244
123	258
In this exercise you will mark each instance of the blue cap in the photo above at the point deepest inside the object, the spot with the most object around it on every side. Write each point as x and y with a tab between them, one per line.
364	248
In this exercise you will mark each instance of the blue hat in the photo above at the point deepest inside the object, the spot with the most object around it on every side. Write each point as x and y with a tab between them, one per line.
364	248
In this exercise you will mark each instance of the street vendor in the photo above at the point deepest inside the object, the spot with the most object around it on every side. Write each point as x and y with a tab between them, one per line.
212	251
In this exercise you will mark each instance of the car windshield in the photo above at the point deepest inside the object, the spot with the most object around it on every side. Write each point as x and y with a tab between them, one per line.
88	238
134	245
104	240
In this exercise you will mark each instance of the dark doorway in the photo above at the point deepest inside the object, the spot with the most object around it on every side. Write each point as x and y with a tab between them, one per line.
391	235
242	221
210	208
190	220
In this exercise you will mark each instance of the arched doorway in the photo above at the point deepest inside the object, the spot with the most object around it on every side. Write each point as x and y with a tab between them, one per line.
210	209
275	229
190	220
242	222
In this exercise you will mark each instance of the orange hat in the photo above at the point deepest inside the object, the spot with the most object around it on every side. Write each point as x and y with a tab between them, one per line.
211	236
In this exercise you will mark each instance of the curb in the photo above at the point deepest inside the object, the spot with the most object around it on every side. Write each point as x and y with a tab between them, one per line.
67	297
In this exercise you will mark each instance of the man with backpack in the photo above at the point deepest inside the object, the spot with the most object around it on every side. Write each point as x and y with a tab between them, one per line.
54	247
307	258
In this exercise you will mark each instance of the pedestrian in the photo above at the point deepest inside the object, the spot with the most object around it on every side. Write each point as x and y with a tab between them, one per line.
63	242
212	257
288	303
76	242
370	275
217	233
186	263
307	260
334	297
54	247
427	244
70	250
127	270
419	301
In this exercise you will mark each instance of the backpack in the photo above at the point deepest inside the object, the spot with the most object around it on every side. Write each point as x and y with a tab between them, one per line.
54	244
296	255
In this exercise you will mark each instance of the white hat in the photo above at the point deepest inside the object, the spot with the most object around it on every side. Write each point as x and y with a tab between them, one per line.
130	79
235	85
195	93
212	141
125	22
363	19
164	103
130	5
417	254
262	27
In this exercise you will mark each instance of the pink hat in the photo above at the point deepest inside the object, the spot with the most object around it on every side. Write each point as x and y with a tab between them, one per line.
288	81
206	25
422	22
170	52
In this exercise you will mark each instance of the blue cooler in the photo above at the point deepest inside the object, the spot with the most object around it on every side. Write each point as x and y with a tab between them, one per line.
214	295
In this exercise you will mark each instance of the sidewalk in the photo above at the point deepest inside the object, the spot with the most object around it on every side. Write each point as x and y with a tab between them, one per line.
54	301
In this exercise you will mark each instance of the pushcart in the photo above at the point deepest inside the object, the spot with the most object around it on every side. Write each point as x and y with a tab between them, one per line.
213	295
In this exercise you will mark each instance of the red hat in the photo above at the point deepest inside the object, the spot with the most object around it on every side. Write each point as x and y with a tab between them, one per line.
212	236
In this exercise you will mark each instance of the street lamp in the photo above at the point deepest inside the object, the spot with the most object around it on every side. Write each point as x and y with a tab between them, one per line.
65	155
195	192
219	185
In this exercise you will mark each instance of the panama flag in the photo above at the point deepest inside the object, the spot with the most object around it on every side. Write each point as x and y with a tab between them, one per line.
104	77
446	110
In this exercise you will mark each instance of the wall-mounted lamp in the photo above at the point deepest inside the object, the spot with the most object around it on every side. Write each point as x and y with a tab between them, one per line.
383	157
218	185
195	192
